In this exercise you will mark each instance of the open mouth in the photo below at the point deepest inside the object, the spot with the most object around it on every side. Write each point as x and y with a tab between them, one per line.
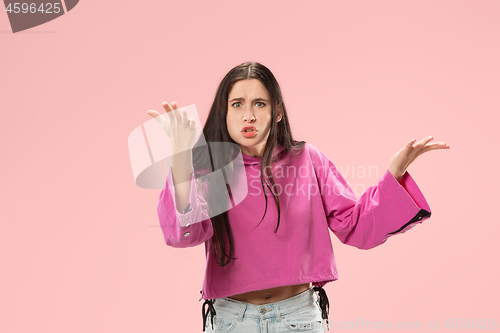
249	132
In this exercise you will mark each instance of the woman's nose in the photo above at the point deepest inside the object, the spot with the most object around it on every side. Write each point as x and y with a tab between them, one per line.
248	115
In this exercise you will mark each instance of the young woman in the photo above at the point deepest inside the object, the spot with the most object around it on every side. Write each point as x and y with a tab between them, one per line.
265	262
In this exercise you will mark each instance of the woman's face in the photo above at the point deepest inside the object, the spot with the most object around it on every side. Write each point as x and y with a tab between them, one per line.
249	105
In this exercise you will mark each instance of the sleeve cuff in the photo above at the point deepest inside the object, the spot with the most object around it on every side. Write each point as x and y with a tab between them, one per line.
413	205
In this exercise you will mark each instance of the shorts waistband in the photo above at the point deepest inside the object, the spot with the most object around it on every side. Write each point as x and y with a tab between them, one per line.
276	309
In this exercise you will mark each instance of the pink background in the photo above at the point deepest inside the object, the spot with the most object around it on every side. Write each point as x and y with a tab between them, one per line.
81	249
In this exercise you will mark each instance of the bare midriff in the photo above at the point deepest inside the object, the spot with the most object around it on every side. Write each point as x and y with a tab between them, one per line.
276	294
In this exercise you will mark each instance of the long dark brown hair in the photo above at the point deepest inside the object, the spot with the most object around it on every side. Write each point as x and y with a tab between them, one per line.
217	156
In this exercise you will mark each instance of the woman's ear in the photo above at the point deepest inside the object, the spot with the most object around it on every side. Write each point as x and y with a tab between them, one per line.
280	112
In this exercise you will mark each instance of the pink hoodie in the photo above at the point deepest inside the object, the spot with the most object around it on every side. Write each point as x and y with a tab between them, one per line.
314	197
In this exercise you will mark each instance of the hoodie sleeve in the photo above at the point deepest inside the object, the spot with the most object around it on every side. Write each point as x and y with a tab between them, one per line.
190	228
384	210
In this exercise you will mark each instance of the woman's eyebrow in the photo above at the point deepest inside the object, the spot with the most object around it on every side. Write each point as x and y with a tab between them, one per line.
242	99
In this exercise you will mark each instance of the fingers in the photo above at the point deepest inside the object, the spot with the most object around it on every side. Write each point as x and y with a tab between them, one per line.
174	115
421	143
178	115
424	141
424	146
188	121
156	115
169	109
411	142
184	117
437	145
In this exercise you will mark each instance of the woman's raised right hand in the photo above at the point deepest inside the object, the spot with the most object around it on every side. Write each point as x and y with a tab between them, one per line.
180	130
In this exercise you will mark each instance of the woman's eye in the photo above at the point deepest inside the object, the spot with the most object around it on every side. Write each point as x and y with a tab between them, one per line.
234	104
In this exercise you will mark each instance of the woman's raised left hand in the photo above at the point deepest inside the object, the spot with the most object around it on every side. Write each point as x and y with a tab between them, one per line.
403	158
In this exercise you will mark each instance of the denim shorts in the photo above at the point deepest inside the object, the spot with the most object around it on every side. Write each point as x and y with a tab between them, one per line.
299	313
